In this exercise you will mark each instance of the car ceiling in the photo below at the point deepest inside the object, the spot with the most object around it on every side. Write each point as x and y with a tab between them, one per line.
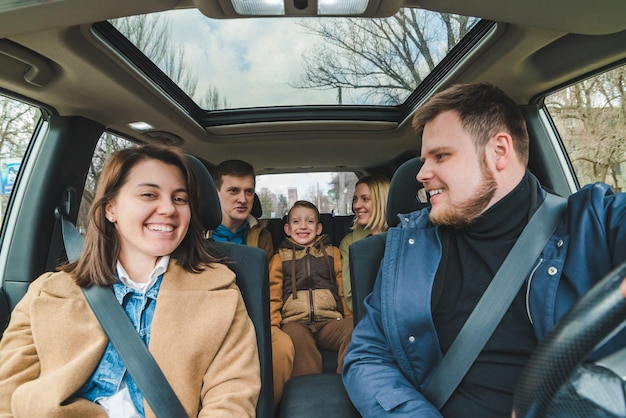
50	55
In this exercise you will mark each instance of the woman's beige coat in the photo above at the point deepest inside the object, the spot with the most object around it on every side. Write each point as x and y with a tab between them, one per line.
201	337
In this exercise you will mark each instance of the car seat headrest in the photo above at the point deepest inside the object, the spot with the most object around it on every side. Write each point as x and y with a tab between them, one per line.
210	208
257	210
403	191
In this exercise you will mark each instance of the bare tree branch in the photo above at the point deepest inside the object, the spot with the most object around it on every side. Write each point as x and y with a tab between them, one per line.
591	117
152	34
379	60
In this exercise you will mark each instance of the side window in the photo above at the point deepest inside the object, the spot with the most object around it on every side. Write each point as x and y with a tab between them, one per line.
18	122
591	119
107	145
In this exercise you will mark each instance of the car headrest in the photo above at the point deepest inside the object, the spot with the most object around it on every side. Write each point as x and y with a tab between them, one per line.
403	190
210	208
257	210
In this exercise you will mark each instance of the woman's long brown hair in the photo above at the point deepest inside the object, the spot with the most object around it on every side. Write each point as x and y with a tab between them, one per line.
97	264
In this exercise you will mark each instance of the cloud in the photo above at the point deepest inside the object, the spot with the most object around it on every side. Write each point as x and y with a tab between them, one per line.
304	182
250	61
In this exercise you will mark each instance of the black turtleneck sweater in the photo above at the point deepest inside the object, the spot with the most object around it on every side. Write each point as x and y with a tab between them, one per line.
470	259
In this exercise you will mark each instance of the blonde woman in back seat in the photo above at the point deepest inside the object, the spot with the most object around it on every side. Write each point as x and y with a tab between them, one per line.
369	204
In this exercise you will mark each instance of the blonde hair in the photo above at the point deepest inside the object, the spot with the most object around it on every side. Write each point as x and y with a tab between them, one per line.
379	189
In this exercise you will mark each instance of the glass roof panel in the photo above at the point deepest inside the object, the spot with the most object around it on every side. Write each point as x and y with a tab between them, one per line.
263	62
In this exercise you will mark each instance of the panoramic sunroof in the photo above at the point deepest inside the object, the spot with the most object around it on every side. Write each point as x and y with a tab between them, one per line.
244	63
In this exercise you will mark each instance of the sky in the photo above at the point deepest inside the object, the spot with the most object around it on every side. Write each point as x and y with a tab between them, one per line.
255	62
229	49
279	183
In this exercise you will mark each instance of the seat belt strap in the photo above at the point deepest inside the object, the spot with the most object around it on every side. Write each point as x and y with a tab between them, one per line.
491	307
72	240
134	353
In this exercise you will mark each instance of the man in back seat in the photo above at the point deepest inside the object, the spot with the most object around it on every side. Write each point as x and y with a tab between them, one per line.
235	182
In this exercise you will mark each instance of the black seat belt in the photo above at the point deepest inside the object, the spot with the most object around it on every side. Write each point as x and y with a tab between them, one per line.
72	239
491	307
134	353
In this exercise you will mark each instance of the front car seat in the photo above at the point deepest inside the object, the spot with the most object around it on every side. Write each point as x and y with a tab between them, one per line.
366	254
250	266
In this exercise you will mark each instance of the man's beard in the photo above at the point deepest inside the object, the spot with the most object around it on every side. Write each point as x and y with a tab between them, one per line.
462	215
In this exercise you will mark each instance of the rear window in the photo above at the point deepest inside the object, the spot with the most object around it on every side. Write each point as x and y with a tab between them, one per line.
331	192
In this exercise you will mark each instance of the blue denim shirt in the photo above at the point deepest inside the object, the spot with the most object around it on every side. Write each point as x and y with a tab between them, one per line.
111	371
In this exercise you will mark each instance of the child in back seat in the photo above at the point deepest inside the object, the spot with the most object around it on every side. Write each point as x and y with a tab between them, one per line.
306	291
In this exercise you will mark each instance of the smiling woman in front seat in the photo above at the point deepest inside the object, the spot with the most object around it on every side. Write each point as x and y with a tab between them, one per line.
145	241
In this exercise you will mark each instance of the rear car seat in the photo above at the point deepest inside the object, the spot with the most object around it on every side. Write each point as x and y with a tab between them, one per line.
336	227
324	395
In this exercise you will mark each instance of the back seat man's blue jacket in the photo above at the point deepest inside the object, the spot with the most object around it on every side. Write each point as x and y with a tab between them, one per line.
395	348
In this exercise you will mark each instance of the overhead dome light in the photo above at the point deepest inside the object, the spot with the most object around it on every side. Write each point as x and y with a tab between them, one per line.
259	7
141	126
341	7
277	7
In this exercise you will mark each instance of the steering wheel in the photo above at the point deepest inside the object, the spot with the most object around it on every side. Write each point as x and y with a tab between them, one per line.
594	317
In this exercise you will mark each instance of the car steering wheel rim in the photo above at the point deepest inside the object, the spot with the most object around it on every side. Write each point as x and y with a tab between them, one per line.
594	317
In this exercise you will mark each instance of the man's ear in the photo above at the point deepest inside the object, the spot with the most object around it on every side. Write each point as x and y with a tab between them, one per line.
319	228
287	230
503	149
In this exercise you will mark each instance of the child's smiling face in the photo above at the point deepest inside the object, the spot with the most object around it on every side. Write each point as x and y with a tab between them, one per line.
303	226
